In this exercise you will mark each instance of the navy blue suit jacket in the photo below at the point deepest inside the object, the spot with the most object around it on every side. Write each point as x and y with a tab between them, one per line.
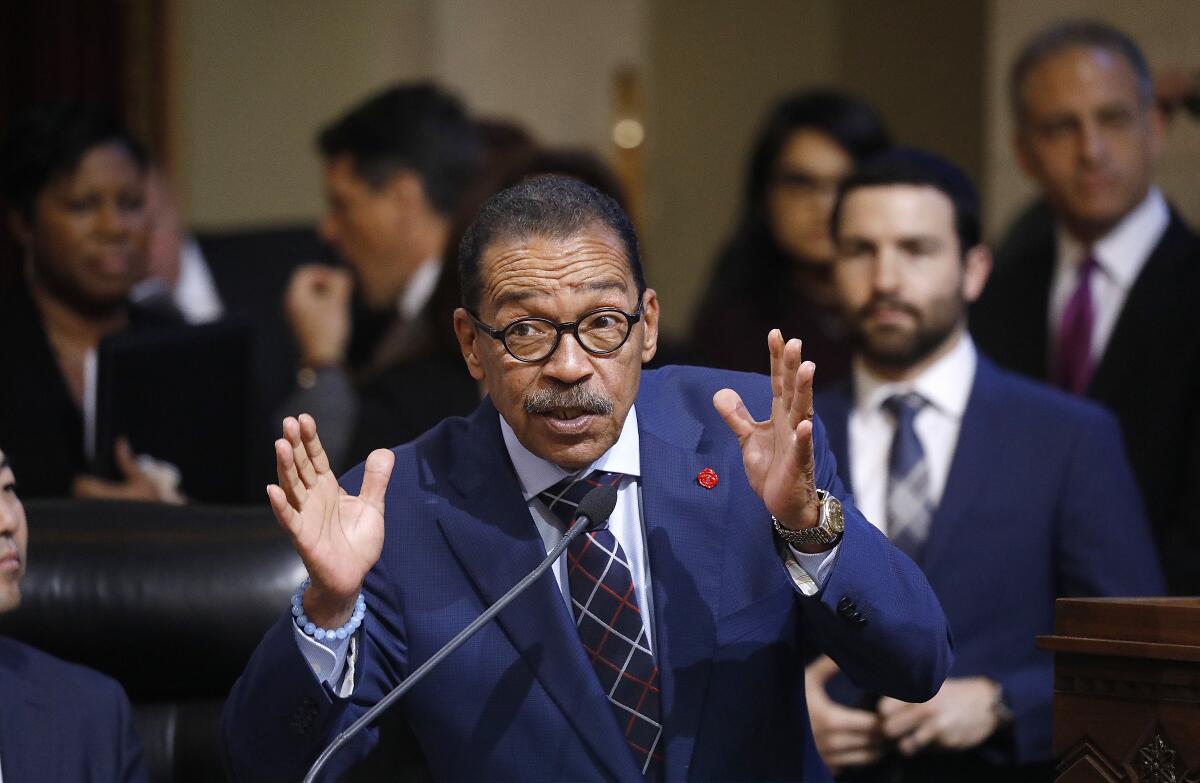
520	700
63	722
1039	503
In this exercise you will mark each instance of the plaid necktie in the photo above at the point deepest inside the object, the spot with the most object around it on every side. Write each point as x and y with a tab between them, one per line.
909	511
1073	348
610	624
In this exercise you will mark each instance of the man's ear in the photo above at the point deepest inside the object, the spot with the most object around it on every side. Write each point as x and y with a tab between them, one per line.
977	267
406	188
469	343
649	324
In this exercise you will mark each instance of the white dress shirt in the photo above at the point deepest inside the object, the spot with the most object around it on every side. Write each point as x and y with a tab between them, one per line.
946	385
419	289
1120	256
327	659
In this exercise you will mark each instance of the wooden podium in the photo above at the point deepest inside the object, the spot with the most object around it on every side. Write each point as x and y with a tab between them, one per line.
1126	690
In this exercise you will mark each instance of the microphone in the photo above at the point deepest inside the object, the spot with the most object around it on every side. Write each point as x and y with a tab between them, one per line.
592	512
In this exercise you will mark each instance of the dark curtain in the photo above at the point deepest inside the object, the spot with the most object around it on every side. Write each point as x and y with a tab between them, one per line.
107	51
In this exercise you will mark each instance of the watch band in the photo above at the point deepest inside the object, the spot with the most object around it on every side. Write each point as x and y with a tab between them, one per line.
827	531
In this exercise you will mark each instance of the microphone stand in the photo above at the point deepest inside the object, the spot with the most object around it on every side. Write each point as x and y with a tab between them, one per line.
582	522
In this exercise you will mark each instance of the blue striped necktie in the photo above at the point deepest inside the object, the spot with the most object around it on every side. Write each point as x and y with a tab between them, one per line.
909	510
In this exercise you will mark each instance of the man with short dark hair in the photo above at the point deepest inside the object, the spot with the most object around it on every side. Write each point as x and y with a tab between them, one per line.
1096	283
59	721
669	642
1006	493
396	166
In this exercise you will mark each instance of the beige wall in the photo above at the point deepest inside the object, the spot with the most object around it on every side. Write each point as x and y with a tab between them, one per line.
1165	29
252	82
714	69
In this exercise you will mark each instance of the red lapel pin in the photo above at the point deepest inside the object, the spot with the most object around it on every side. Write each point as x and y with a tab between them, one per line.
707	478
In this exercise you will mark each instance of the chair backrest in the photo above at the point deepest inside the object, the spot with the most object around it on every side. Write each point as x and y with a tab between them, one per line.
169	600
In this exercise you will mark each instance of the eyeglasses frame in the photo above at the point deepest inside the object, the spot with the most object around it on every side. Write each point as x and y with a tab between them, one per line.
571	326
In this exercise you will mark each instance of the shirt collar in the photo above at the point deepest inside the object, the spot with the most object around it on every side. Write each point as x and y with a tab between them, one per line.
420	287
946	383
1122	252
537	475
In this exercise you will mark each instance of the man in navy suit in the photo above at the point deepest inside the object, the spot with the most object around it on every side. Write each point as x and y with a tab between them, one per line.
727	546
1006	492
58	721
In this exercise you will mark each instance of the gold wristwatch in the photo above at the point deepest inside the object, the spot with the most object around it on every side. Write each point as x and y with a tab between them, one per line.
828	529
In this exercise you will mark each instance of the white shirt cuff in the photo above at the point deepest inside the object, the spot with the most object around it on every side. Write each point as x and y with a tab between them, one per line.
808	571
329	661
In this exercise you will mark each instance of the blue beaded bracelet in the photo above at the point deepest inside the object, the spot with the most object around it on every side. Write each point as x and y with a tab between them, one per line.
310	628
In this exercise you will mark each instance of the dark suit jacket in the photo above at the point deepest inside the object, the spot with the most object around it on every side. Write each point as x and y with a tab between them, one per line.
41	427
63	722
520	701
1039	503
1149	375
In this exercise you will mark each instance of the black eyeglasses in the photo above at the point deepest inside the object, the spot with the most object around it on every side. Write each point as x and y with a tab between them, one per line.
599	332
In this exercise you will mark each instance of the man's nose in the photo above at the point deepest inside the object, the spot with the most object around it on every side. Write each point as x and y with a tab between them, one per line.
8	516
569	363
1092	144
885	272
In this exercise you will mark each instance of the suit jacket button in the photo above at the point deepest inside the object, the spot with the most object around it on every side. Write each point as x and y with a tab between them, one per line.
859	619
845	604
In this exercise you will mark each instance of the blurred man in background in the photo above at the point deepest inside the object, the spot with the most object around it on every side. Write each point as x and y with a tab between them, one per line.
1096	283
1007	493
396	167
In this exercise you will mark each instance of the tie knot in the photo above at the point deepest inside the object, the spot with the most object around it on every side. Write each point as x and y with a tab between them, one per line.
1088	265
905	406
564	497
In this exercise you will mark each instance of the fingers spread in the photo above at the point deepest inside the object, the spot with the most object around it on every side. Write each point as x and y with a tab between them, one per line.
312	444
304	467
377	473
729	404
285	471
804	451
284	514
802	400
775	347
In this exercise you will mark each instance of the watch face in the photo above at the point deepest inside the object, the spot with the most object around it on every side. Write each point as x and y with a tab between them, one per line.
837	520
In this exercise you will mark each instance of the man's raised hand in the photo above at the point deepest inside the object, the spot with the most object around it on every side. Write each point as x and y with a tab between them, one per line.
778	452
338	536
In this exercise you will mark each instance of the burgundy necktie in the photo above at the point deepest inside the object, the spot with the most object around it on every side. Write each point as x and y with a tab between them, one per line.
1073	349
614	634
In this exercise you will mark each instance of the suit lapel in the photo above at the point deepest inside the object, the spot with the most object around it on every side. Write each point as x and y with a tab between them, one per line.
685	542
976	437
27	733
1140	323
497	543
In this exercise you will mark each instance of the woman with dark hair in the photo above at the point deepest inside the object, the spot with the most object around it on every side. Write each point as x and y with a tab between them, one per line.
775	270
73	182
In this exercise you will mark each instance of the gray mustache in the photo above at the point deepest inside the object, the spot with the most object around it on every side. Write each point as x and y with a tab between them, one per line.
548	401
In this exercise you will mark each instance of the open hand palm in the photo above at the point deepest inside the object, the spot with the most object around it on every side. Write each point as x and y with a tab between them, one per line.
338	536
